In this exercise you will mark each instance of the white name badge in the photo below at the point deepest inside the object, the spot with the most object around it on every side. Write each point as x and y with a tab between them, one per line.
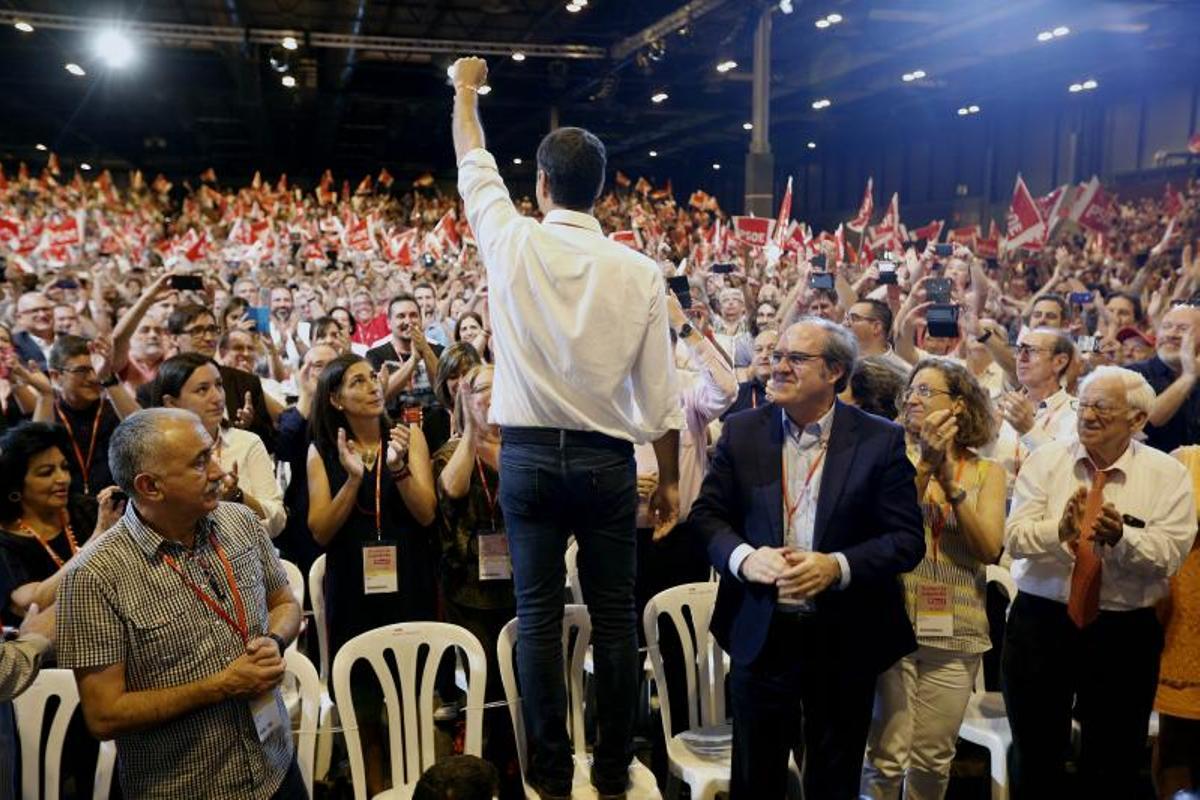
268	718
379	569
935	611
495	563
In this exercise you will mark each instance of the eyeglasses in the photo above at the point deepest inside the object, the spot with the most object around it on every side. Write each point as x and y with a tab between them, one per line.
1027	350
795	359
202	330
38	310
851	317
924	391
83	372
1101	409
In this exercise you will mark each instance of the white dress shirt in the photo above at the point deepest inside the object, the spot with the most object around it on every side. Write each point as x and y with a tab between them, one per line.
580	322
1143	483
803	450
1054	419
256	474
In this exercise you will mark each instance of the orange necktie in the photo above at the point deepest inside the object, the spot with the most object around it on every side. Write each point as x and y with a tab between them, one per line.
1083	606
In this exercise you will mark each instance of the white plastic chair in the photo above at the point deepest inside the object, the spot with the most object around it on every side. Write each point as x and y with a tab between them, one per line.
327	720
704	669
296	583
985	721
575	618
308	689
30	709
106	767
409	704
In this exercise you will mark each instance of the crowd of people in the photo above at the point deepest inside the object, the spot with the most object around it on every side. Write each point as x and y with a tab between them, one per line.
197	383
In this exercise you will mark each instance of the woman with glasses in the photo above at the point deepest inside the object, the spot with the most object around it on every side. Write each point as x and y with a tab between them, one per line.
921	700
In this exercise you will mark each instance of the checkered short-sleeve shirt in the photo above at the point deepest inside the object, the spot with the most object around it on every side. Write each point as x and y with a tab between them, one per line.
121	603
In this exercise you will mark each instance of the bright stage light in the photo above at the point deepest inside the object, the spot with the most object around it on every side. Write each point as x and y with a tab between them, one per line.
114	48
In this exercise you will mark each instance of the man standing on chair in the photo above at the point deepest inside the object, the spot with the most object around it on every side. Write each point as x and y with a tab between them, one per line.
584	369
809	511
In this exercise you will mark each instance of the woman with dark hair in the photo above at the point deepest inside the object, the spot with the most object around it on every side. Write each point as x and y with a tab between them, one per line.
455	361
41	525
236	316
920	702
371	501
349	327
193	382
470	329
328	331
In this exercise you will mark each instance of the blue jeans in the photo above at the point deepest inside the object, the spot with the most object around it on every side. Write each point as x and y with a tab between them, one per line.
551	487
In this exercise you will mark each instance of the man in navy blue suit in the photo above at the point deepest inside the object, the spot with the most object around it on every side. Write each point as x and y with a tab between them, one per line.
810	513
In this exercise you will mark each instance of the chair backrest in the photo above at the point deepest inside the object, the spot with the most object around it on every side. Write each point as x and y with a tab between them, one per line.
295	580
1002	576
106	767
572	559
577	621
409	703
702	658
30	708
316	591
308	686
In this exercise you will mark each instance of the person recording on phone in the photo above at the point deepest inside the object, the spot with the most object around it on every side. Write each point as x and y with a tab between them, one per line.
584	369
809	512
1099	523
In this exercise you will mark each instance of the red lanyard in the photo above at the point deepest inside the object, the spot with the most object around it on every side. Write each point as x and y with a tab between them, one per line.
66	523
753	397
84	465
239	626
944	510
487	493
787	502
378	483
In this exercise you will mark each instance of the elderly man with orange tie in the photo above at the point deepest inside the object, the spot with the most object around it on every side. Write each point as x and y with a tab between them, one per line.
1098	525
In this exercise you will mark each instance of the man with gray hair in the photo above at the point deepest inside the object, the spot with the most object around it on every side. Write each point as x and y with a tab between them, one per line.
175	621
809	511
1098	524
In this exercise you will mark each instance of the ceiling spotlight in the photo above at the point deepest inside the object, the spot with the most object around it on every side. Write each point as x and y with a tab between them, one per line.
484	90
906	77
289	81
834	19
654	154
716	166
658	97
114	48
822	103
747	126
580	3
1045	36
656	50
1075	87
290	43
23	26
973	109
40	146
518	56
574	9
1090	84
1061	30
85	166
726	65
822	23
812	145
75	70
962	112
917	74
785	6
517	161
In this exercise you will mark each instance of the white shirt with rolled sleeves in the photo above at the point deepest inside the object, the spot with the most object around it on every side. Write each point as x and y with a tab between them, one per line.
1144	484
580	322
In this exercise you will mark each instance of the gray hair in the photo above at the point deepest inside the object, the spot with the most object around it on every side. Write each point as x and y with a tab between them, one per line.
840	348
138	442
1138	392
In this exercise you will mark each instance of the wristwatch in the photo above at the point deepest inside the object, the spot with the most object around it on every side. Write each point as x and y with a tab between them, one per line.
957	496
983	337
238	496
275	637
686	330
111	381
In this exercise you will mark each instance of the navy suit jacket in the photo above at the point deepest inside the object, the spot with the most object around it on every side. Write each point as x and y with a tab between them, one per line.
28	350
866	509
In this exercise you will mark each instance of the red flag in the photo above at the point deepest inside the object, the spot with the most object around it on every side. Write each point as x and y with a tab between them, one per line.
161	185
256	181
989	247
1054	207
967	235
358	237
385	178
865	209
52	165
424	180
627	238
887	233
3	179
22	173
1194	143
345	190
930	233
622	180
642	186
794	238
326	179
282	186
754	231
1094	208
10	228
699	199
785	213
1172	202
446	232
1026	228
364	186
209	175
839	240
665	193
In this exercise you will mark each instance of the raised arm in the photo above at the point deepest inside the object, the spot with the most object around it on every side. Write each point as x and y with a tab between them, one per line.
123	331
468	75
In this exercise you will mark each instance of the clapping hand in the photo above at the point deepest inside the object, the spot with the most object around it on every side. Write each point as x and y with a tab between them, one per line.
1018	410
938	432
229	484
397	448
351	460
245	414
